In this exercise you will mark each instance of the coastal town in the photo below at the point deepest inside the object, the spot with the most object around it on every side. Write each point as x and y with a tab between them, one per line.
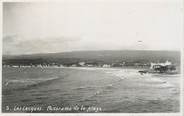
159	67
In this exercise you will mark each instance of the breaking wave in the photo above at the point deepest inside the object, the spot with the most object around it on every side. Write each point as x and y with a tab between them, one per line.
26	84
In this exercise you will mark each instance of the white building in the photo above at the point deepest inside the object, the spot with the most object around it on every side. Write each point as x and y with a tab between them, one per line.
161	64
81	63
106	66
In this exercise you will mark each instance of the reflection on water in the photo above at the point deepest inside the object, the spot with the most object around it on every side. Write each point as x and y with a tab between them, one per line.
109	90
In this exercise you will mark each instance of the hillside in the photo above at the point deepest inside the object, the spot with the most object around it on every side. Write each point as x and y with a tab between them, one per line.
108	57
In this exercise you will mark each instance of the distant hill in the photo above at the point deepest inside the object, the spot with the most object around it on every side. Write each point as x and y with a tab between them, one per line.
109	57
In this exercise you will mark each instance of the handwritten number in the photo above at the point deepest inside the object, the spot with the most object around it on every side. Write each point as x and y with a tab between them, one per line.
7	108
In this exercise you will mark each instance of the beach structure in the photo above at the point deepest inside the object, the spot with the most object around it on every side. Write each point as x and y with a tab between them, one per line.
166	67
163	67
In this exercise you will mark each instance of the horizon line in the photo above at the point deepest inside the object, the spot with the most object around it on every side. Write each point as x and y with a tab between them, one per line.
84	51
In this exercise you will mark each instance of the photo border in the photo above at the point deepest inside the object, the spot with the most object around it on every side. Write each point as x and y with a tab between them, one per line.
99	114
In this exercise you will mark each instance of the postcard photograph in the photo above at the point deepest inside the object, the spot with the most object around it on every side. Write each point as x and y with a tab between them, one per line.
91	57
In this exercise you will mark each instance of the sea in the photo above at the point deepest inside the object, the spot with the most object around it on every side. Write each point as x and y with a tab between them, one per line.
88	90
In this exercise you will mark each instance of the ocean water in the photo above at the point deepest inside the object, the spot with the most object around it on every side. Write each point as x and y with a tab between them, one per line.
77	89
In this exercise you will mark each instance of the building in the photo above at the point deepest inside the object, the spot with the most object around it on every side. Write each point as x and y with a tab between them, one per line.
106	66
81	63
163	67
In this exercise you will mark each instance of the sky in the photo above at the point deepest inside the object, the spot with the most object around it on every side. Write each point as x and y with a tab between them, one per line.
48	27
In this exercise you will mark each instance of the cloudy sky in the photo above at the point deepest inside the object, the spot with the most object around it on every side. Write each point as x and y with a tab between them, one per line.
72	26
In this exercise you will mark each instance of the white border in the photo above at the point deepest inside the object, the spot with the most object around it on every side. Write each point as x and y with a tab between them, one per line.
101	114
182	61
1	36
